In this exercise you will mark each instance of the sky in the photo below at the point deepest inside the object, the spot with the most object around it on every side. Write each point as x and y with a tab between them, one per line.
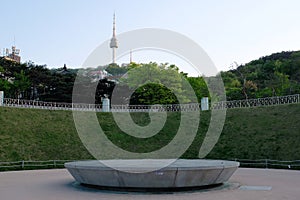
58	32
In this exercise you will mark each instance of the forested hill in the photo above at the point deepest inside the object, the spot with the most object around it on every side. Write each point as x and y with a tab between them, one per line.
274	75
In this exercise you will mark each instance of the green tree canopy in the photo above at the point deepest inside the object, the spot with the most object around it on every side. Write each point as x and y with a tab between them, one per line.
154	83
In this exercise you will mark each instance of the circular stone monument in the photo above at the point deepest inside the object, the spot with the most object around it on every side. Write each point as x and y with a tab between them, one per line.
138	174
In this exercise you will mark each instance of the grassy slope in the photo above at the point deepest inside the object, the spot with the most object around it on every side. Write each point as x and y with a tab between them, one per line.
272	132
30	134
269	132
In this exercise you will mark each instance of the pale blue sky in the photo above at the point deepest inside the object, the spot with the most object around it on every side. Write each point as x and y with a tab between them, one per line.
55	32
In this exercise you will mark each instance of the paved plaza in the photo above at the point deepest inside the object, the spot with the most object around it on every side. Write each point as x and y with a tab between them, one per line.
58	184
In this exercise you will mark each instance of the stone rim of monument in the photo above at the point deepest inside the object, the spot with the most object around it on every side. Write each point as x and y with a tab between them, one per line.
181	174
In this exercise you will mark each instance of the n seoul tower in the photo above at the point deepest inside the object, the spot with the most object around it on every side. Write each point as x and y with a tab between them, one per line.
113	41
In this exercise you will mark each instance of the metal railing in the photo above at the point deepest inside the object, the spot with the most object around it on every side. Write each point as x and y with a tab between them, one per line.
259	163
269	163
23	165
268	101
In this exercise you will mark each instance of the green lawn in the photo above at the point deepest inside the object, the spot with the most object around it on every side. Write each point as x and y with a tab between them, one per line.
266	132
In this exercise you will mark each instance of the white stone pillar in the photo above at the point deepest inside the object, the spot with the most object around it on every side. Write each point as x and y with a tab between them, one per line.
1	98
105	104
204	103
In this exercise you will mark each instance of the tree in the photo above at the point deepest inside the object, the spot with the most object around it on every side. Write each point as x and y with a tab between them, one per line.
5	86
116	70
153	93
199	86
243	78
21	84
152	83
233	86
41	81
279	83
61	87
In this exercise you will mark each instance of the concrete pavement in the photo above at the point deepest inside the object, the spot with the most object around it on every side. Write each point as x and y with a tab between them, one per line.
248	184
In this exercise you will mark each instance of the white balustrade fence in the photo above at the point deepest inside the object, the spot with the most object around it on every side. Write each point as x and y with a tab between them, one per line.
20	103
268	101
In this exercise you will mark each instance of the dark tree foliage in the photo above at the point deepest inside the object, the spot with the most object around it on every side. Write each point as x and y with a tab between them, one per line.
274	75
116	70
153	93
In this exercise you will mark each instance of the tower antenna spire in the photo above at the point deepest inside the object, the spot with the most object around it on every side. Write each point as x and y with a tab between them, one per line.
114	25
130	56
